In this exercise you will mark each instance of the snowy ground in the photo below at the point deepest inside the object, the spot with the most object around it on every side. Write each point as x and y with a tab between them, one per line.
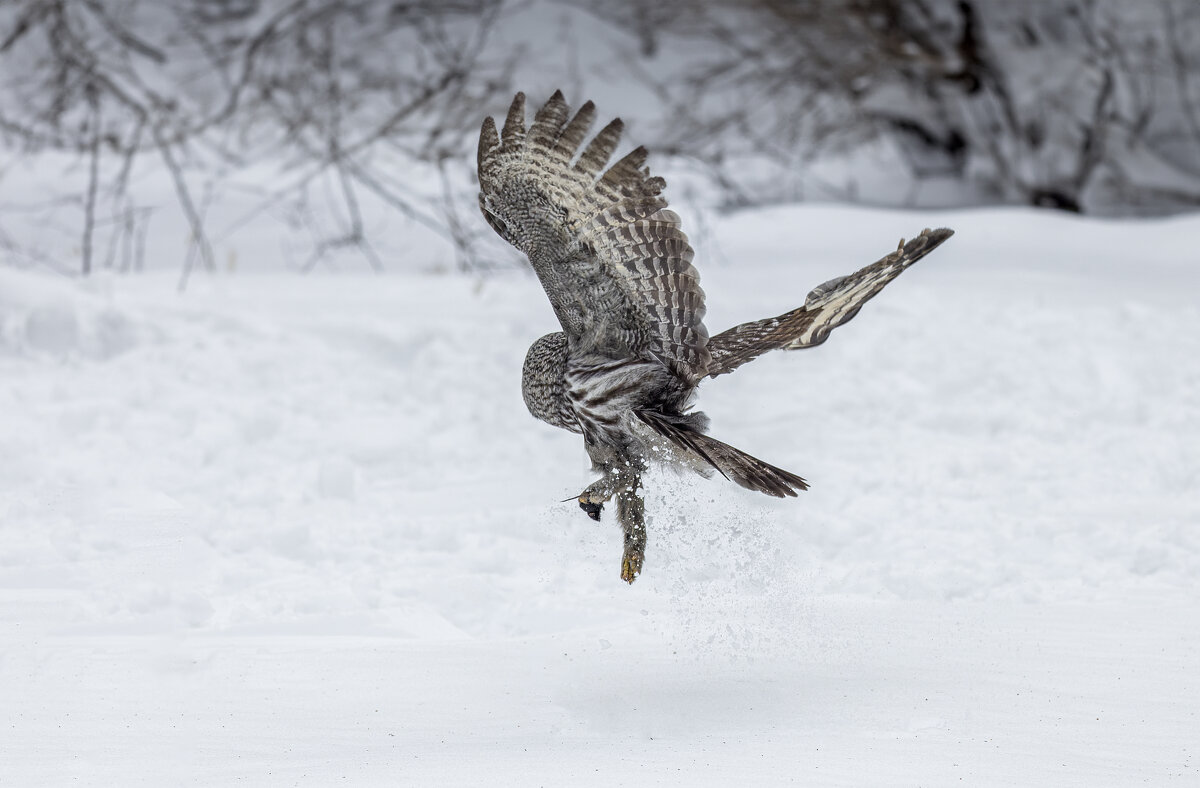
288	530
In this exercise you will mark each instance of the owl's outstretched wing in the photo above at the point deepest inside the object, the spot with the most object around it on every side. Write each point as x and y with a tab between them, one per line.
826	307
612	259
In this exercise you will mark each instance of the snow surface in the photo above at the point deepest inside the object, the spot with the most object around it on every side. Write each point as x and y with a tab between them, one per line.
300	530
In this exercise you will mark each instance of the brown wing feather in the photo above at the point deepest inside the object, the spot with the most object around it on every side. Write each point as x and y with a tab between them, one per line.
573	133
514	123
828	306
548	122
613	261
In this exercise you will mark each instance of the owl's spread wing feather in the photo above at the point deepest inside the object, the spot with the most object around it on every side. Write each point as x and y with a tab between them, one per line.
826	307
611	257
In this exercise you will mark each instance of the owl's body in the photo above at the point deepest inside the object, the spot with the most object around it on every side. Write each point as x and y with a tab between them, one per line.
595	395
618	272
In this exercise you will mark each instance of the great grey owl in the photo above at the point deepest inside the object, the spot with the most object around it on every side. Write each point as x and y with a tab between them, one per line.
618	271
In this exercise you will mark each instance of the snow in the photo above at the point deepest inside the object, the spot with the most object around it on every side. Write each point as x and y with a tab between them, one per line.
296	530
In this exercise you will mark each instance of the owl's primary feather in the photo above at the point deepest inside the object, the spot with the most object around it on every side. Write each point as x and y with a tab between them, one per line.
618	272
613	261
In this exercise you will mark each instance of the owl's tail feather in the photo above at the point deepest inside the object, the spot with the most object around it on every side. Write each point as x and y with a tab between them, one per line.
734	464
827	307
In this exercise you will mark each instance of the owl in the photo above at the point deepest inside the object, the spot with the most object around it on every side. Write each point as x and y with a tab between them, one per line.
617	268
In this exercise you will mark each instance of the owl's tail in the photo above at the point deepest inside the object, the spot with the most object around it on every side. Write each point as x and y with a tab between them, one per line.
734	464
827	307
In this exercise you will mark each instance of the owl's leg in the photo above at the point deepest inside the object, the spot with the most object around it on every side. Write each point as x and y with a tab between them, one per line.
631	514
623	481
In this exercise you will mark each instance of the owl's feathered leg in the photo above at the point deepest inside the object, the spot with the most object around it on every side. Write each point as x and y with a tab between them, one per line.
631	514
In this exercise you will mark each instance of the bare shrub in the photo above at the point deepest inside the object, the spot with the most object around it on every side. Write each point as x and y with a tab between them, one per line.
327	88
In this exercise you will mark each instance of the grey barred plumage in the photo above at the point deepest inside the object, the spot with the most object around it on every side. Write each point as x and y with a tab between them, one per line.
617	269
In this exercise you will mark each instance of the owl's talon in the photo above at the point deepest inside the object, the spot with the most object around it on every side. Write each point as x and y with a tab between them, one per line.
631	563
592	510
592	500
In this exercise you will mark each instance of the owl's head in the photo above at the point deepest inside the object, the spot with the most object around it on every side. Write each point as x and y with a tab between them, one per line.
543	380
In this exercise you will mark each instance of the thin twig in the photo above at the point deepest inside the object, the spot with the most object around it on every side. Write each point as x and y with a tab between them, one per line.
199	236
89	202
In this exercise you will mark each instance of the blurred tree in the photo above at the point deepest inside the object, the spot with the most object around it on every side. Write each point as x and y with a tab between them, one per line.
1082	105
358	105
207	85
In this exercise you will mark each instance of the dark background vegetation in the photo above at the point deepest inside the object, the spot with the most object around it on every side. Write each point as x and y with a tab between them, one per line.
1089	106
